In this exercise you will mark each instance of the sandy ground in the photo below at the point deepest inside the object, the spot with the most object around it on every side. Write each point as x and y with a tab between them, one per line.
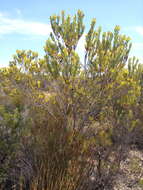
131	174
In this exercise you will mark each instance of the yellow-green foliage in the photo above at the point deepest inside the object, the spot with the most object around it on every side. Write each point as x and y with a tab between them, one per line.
72	117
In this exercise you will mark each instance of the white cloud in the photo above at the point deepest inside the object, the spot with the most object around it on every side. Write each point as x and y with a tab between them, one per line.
20	26
137	50
138	46
133	29
139	29
18	12
80	48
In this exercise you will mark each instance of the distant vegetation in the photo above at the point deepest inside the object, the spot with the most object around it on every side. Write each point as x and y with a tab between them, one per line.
67	125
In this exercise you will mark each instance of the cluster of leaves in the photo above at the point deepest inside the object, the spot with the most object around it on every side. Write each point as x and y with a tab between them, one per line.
66	124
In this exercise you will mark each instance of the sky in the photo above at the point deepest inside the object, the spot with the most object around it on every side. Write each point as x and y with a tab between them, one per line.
25	24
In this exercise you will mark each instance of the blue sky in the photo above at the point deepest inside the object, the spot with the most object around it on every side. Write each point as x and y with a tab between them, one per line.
24	24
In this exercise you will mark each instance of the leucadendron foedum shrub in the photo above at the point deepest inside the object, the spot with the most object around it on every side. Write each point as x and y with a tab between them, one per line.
71	121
